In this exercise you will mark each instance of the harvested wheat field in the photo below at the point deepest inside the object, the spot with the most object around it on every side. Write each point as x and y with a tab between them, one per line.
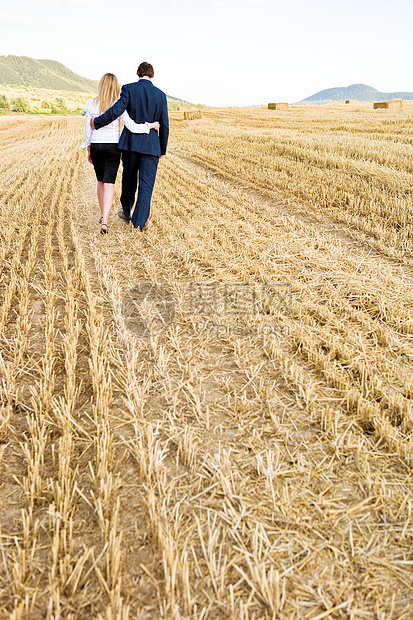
211	419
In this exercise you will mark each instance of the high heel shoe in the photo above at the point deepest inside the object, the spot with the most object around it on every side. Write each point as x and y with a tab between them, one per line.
104	229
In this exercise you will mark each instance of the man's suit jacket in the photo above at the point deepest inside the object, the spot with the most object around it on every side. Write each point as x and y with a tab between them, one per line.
145	104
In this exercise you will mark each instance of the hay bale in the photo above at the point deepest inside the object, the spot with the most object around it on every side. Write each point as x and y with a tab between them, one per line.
191	115
352	101
278	106
391	104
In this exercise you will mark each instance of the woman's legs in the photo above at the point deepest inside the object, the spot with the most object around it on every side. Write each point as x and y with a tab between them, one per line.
108	194
101	187
106	160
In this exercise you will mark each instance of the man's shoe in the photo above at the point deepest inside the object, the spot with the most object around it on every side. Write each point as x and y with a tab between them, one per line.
125	218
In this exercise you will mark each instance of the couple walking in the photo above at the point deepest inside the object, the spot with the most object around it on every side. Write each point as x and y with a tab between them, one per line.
144	112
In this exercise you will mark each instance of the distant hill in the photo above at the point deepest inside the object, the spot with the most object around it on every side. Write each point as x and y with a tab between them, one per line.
362	92
52	75
24	71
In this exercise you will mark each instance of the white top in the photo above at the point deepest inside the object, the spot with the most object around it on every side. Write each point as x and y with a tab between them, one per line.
110	133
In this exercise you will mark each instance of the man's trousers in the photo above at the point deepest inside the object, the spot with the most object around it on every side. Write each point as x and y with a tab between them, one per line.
146	166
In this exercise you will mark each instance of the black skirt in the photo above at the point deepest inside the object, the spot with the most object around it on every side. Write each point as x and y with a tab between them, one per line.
106	160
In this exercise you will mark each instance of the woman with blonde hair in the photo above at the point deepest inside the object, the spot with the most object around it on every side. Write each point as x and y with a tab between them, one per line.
102	144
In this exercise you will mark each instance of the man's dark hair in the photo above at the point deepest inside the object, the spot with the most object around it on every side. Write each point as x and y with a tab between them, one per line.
145	70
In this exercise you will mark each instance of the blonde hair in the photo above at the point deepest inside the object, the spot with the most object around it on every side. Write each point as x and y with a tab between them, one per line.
108	92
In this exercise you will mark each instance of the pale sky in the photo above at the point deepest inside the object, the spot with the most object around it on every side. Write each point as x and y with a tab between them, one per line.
221	52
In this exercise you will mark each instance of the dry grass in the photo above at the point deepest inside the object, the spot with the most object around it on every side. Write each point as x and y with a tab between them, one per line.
204	473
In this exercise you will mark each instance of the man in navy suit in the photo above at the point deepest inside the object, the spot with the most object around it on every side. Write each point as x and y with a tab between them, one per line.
140	152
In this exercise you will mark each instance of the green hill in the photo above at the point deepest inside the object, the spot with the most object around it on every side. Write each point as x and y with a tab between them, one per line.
24	71
52	75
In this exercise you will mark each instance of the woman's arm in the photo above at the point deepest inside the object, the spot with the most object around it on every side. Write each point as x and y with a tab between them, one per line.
88	129
137	127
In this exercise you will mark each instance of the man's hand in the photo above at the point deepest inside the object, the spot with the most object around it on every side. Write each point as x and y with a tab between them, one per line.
92	123
88	156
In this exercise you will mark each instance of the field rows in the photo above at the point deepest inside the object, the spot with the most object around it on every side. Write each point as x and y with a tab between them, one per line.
241	463
355	167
